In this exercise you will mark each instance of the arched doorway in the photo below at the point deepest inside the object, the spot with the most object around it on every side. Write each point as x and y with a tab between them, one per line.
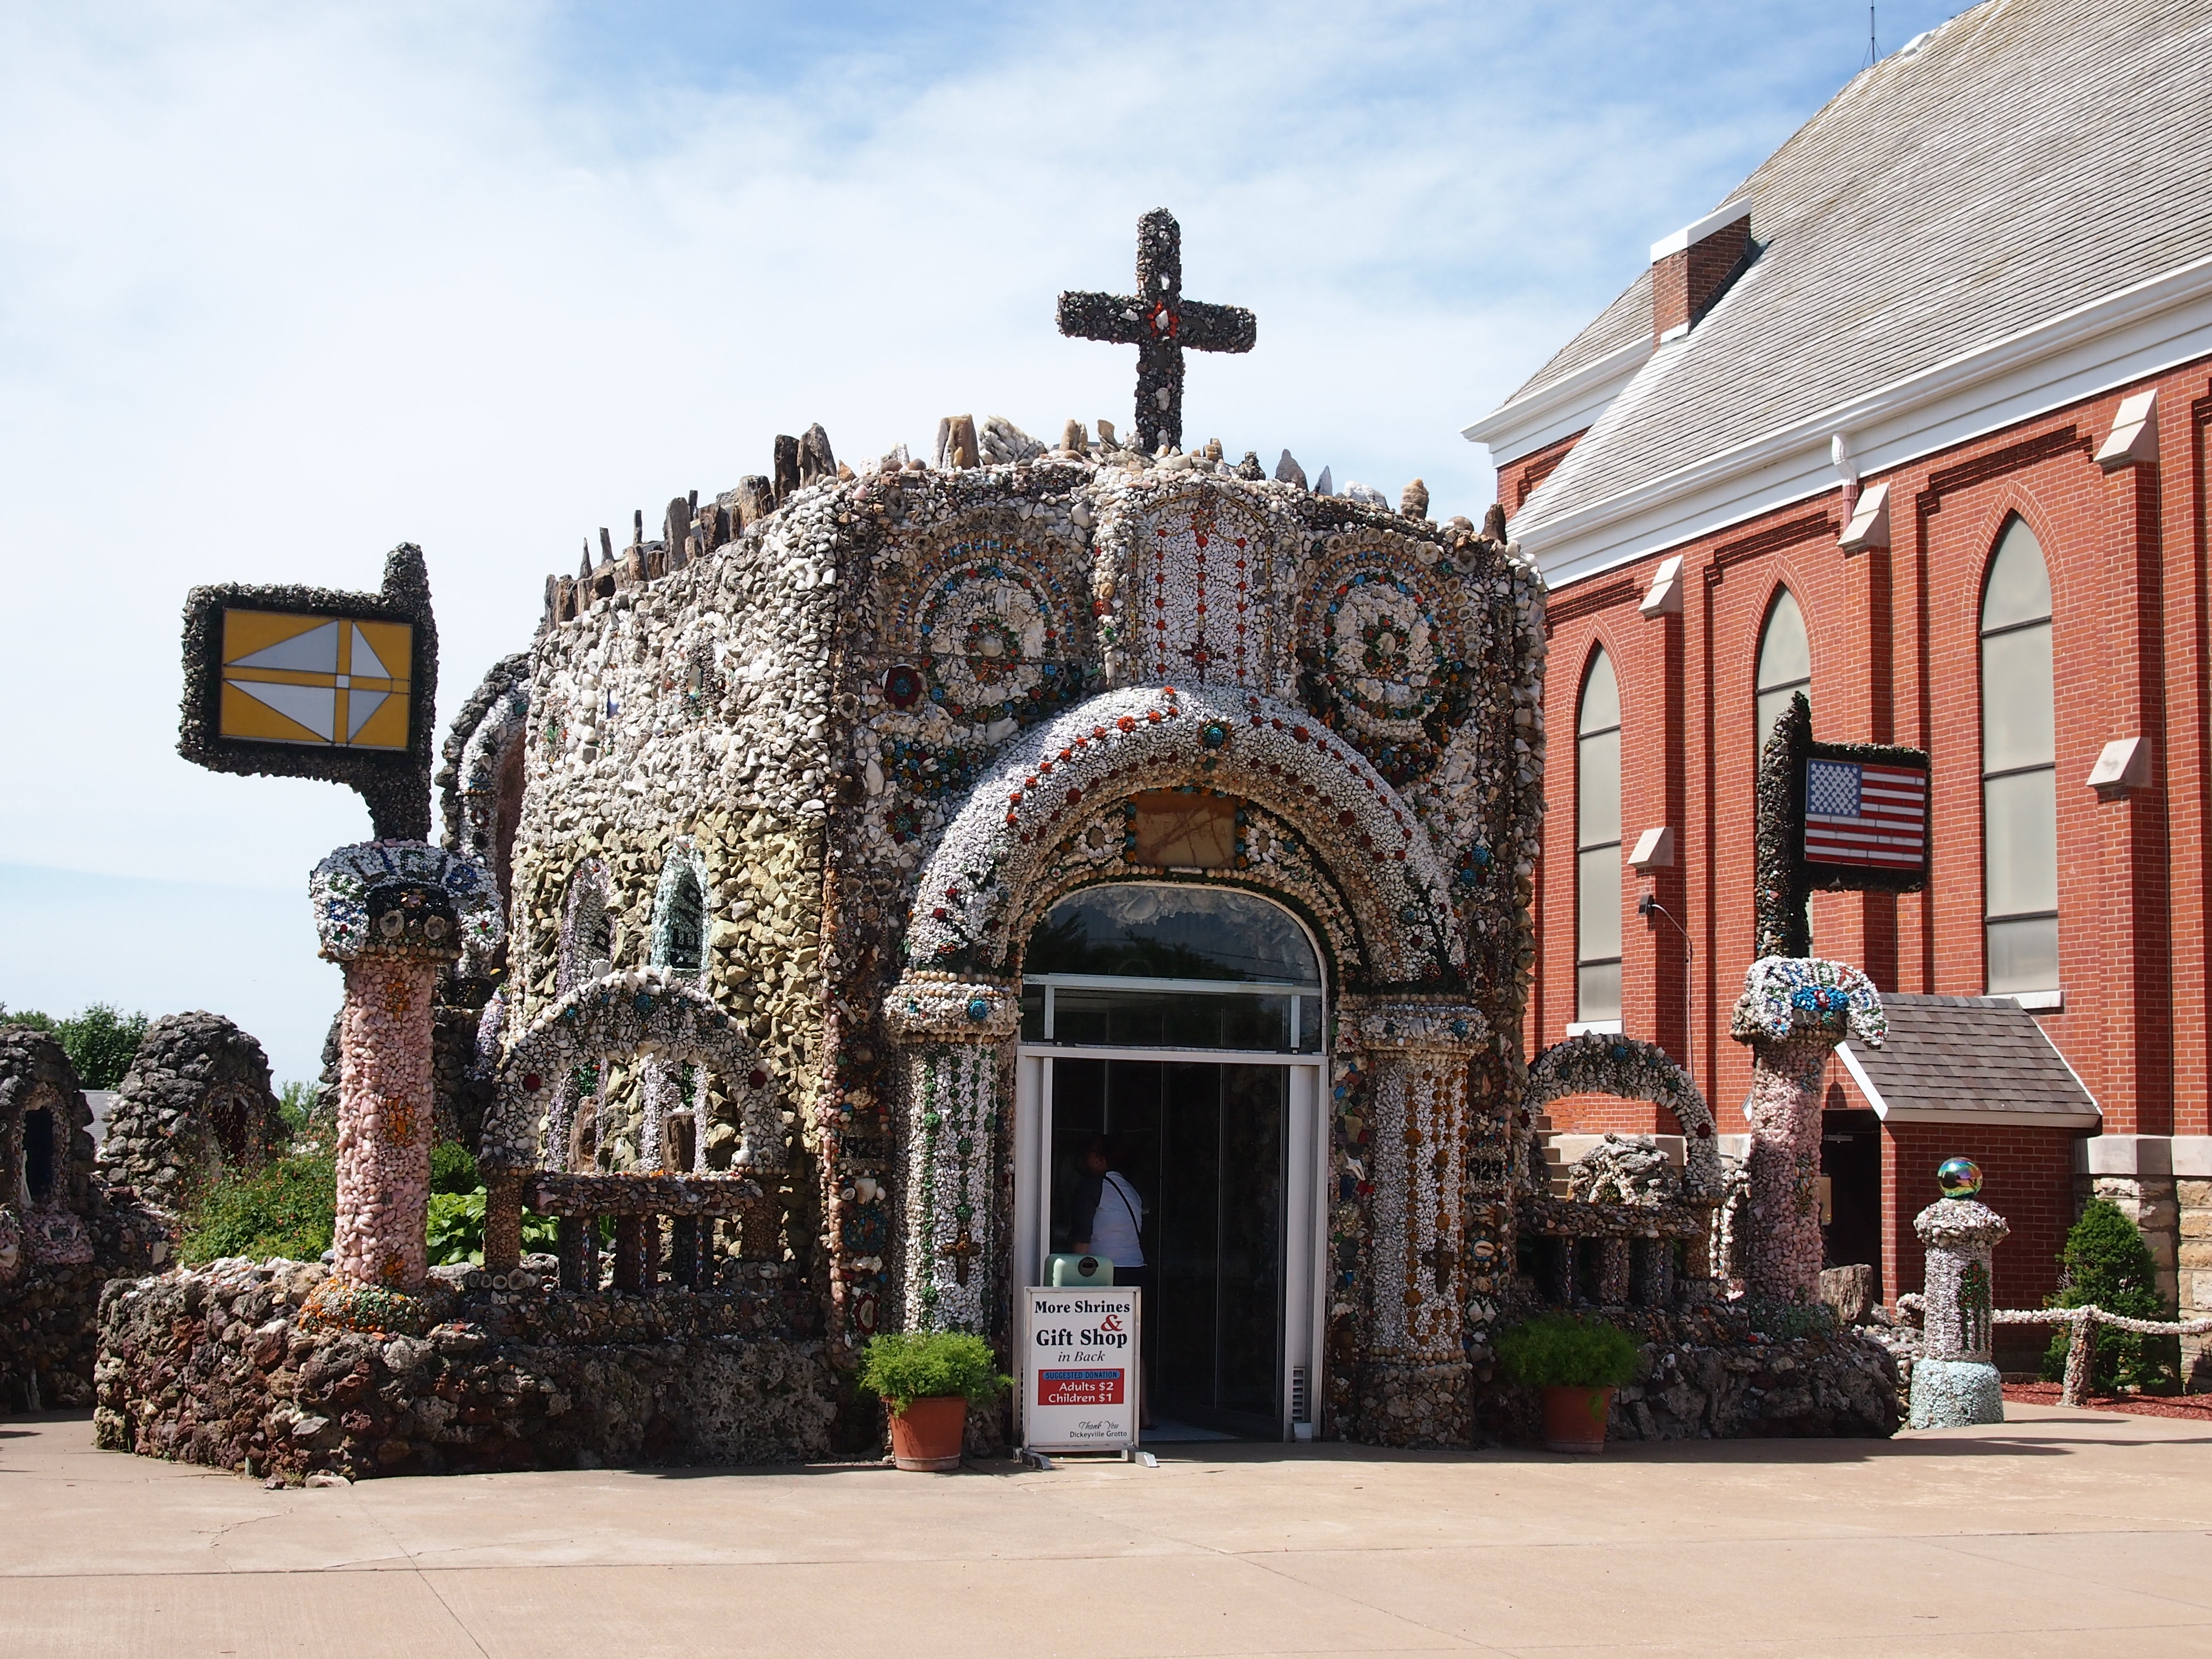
1185	1022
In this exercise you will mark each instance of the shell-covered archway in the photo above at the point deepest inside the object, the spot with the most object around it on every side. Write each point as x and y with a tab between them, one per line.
1400	991
1601	1063
969	905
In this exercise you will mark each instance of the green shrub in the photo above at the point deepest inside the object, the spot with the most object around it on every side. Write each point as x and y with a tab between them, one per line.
452	1169
296	1102
287	1207
905	1366
2105	1262
1785	1322
1560	1351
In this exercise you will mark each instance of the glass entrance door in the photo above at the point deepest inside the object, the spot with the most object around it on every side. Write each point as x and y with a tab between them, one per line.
1188	1023
1205	1145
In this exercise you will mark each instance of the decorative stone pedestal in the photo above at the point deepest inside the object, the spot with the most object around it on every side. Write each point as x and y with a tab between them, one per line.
1955	1381
1793	1012
393	914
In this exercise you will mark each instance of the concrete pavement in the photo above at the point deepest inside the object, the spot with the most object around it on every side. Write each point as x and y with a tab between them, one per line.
2061	1532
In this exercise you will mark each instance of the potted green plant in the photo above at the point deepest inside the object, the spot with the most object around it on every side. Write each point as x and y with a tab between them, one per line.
1576	1364
929	1379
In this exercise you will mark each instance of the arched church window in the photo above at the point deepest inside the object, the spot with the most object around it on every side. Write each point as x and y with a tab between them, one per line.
679	931
1597	844
2020	776
1786	663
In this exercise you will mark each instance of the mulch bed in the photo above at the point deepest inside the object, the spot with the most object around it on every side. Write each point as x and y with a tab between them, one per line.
2197	1408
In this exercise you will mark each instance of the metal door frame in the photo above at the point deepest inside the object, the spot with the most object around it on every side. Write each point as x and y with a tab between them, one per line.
1306	1208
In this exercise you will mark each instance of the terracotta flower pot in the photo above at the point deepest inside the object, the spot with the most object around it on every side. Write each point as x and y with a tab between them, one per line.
1574	1418
926	1435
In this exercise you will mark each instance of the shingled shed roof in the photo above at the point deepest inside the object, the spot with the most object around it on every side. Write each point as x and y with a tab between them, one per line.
2025	159
1967	1059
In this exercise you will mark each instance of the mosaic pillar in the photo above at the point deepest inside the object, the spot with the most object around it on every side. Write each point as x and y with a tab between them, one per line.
1793	1012
954	1033
1784	1164
1417	1382
392	914
1955	1380
656	1096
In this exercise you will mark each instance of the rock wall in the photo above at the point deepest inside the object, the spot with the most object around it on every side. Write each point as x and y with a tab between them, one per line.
232	1365
49	1317
1708	1375
196	1100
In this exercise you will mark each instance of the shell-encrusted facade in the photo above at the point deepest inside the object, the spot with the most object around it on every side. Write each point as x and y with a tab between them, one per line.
871	736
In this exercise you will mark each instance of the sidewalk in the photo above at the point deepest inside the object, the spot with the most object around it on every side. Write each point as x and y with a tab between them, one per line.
2061	1532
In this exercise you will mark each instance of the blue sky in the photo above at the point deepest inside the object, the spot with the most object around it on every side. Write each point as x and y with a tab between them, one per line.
282	285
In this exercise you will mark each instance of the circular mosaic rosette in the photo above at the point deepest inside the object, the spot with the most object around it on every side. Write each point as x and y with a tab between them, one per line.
1382	646
992	645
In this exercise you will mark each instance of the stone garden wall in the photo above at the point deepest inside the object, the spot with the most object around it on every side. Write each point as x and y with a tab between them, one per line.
230	1366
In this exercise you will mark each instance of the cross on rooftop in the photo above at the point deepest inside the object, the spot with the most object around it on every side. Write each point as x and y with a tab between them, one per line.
1162	325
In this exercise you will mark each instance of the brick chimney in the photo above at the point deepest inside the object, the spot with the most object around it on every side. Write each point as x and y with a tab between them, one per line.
1691	269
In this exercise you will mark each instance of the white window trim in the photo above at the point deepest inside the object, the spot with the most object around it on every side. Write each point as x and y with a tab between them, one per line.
1595	1028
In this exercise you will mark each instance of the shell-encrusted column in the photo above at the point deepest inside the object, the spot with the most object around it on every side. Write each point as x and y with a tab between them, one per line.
1416	1390
954	1032
1955	1381
1794	1011
393	914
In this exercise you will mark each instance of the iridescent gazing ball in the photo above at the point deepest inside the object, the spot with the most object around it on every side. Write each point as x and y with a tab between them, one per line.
1958	1177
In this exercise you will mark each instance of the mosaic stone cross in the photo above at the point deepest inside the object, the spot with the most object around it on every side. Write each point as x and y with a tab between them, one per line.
963	1251
1162	325
1441	1258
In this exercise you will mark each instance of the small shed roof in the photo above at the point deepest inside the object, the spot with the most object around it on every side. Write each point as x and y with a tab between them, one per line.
1967	1059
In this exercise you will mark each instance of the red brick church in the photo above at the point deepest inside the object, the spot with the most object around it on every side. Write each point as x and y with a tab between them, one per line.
1916	422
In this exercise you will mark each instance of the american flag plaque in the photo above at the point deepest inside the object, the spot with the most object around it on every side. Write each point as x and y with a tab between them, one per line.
1864	822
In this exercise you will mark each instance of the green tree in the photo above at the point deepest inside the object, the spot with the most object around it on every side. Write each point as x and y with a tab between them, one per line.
296	1102
101	1041
2105	1263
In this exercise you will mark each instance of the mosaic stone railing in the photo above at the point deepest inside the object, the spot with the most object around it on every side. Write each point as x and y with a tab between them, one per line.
636	1204
1618	1255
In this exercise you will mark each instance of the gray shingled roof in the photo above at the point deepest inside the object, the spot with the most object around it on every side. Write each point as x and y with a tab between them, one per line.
2030	156
1970	1056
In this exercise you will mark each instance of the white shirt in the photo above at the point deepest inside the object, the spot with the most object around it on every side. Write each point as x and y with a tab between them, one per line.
1114	1226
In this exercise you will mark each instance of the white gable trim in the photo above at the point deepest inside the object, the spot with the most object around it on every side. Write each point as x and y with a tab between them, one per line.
1567	406
2125	337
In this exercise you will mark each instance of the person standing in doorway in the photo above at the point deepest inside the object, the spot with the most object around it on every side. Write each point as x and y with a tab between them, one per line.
1109	1221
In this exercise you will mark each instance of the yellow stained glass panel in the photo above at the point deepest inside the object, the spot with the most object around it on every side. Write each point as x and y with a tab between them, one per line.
334	681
